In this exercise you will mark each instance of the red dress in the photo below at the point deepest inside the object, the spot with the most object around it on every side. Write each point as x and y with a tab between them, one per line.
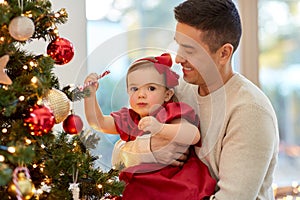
152	181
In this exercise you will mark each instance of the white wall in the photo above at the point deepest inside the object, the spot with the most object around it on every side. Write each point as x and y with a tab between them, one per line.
249	50
74	30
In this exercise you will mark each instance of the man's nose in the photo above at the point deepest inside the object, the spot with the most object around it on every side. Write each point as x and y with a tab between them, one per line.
179	59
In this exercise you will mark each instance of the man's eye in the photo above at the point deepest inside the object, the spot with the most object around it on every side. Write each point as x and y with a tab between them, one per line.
151	88
133	89
189	52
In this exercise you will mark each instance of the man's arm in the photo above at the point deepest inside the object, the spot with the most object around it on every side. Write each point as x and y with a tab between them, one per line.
248	155
149	149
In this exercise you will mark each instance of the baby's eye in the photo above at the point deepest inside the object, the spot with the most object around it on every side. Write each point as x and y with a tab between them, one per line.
133	89
151	88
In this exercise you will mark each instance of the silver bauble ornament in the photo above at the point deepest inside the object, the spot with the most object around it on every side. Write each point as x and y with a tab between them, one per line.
21	28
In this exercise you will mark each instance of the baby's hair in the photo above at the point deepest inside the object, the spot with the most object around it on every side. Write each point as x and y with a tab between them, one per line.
137	64
145	64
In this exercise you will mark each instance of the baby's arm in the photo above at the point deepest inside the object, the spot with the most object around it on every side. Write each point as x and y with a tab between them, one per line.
179	130
93	112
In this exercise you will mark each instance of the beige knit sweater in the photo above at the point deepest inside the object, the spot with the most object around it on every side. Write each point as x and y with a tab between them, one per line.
239	136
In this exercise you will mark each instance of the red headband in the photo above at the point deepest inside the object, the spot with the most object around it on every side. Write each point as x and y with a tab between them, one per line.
163	64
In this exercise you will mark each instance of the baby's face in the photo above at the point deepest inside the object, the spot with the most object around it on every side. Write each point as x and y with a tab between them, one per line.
146	90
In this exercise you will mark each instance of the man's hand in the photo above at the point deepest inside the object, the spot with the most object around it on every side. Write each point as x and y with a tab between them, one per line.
169	153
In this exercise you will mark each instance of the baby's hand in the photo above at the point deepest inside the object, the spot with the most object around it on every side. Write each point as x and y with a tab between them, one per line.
91	82
150	124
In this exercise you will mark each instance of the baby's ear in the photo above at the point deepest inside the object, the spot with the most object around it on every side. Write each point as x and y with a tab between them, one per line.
169	94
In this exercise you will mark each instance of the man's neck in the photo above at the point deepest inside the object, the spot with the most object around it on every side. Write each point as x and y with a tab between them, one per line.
204	89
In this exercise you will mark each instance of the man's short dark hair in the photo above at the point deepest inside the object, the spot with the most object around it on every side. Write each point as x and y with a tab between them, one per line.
218	19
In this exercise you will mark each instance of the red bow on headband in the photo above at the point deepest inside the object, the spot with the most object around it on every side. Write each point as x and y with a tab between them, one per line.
163	64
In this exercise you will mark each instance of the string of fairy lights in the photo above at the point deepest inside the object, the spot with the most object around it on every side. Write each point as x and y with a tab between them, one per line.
44	185
8	149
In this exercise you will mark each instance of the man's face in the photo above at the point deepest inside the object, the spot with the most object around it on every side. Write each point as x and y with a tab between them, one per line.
193	54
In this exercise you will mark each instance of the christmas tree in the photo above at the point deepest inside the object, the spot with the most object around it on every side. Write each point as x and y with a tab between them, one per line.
37	162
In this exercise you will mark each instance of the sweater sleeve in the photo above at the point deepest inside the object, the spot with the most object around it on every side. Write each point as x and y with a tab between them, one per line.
249	151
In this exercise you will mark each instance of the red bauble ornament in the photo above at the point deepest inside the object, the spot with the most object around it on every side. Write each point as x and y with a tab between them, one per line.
60	50
40	120
73	124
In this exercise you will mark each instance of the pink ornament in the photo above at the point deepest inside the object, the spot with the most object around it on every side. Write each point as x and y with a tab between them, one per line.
40	121
60	50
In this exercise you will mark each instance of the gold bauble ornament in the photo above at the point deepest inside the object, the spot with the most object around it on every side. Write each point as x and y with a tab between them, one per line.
59	103
26	186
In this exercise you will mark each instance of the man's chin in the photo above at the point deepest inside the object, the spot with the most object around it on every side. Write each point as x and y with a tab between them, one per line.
187	79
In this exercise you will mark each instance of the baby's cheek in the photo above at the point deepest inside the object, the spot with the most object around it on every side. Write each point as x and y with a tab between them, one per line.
132	100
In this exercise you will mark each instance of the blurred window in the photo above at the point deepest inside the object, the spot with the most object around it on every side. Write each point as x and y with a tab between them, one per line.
279	65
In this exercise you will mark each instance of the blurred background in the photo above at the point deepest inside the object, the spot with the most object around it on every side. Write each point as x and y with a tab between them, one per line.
109	34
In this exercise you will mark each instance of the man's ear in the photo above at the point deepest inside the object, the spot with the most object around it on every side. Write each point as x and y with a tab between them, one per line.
226	52
169	94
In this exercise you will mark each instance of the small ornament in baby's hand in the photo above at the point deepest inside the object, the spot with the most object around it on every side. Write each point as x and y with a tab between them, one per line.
81	88
104	74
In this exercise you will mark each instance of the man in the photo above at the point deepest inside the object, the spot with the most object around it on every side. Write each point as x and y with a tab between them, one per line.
238	125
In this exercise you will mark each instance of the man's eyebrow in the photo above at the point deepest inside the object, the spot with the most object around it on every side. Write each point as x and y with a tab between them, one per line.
184	45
